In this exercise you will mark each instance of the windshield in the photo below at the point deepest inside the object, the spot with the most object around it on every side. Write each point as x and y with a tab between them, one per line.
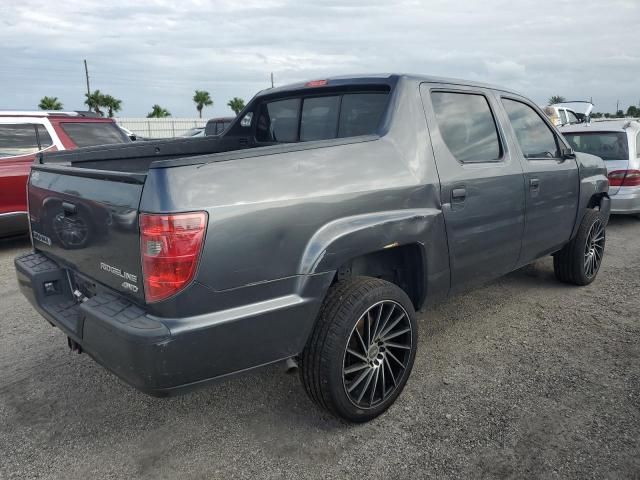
88	134
607	145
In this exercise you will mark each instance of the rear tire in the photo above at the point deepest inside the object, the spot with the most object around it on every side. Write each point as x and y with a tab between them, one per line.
362	349
579	261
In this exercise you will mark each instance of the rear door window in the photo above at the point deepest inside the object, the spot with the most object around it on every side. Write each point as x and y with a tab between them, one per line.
88	134
572	117
535	138
18	139
467	126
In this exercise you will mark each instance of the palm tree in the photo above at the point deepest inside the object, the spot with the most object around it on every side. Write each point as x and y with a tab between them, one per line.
50	103
202	99
158	112
95	100
112	104
236	104
556	99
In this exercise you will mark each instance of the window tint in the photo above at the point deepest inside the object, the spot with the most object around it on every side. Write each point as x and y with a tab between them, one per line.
467	126
563	116
17	139
319	118
360	113
606	145
278	121
535	138
93	133
43	137
331	116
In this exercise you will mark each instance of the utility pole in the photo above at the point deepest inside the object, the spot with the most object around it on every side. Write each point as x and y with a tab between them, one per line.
86	73
617	107
271	79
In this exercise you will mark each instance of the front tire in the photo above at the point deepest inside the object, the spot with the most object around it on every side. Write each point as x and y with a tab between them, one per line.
362	349
579	261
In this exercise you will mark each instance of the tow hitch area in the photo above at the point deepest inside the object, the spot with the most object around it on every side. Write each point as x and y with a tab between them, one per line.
74	346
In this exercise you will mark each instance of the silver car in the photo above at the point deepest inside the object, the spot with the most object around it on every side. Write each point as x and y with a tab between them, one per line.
618	143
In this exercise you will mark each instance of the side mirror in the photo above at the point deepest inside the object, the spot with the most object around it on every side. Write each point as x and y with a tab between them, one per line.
567	154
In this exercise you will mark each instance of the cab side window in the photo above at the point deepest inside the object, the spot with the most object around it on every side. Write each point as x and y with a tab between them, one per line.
18	139
467	126
535	138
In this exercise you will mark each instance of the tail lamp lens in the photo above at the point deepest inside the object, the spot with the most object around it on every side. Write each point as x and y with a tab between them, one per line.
170	249
624	178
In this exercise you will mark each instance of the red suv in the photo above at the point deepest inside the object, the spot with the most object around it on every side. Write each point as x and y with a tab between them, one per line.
23	134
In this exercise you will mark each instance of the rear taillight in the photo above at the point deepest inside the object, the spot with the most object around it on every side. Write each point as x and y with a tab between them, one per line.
624	178
170	247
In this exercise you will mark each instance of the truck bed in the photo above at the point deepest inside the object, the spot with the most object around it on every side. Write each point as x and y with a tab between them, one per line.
138	156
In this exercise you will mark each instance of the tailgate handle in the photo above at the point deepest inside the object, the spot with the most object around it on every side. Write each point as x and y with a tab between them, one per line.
69	208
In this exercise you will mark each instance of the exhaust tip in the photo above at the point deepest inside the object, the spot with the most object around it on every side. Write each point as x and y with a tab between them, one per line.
291	366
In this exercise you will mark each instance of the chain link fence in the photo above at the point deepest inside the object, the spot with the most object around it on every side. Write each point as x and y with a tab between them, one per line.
160	127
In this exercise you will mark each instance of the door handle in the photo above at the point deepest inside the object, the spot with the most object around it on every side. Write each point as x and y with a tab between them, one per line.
459	194
534	184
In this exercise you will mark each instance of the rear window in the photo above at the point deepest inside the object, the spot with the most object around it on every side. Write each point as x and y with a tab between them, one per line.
607	145
321	118
93	133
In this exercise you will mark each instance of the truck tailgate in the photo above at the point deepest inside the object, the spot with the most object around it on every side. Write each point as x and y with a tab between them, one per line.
87	220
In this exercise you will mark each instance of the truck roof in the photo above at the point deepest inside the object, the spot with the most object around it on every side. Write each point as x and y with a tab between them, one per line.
381	78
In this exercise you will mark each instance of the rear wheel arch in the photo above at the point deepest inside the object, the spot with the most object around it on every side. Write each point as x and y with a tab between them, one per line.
402	265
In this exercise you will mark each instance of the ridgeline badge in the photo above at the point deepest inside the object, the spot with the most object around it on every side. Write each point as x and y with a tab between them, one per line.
118	272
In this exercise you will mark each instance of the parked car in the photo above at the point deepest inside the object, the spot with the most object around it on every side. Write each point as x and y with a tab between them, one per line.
193	132
216	126
311	230
618	143
569	113
22	135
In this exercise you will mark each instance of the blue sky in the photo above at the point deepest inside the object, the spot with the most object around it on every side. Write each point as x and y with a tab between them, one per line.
159	51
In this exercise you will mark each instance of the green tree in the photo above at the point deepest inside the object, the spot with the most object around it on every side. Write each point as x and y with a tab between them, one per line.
202	99
50	103
94	101
619	114
158	112
236	104
556	99
112	104
633	111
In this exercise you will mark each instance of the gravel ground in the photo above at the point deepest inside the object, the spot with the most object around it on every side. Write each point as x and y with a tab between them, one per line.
525	377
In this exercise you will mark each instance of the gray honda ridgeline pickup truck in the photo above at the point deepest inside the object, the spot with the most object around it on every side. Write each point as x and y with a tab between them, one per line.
310	231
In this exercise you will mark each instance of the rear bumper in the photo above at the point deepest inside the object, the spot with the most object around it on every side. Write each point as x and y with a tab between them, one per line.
626	200
161	356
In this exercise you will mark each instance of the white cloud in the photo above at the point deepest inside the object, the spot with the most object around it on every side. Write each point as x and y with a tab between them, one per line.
159	51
